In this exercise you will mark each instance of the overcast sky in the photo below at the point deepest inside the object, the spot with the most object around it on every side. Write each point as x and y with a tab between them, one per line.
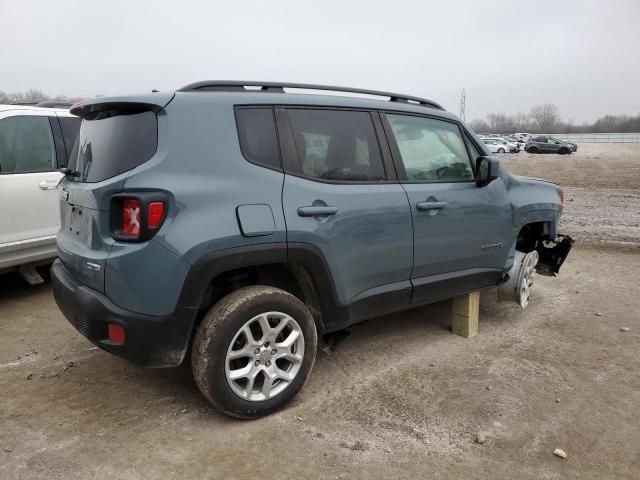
582	55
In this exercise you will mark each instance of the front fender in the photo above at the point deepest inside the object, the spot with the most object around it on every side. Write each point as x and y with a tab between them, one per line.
532	200
537	213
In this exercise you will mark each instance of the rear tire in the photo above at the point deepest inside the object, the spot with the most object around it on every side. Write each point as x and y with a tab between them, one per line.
254	351
533	150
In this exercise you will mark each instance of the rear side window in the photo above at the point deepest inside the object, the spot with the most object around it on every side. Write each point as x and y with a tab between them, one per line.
431	150
112	142
336	145
257	134
26	145
70	127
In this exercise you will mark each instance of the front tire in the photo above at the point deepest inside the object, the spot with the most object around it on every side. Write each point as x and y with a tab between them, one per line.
501	150
254	351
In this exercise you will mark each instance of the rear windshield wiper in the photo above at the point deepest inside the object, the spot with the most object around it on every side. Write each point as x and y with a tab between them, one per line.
69	172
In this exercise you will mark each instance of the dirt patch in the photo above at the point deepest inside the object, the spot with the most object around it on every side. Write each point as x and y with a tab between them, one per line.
594	165
602	191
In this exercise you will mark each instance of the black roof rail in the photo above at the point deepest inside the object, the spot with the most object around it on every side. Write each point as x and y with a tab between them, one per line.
54	104
238	85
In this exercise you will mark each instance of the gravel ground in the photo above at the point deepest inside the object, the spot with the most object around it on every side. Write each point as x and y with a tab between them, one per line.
601	183
401	397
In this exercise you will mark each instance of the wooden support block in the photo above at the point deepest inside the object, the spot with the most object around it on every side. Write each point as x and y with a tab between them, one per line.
464	318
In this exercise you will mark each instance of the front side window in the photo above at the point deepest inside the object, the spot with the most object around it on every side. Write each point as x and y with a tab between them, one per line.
431	150
26	145
257	133
336	145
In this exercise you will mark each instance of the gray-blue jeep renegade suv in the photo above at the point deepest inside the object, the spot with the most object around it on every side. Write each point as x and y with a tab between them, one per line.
238	221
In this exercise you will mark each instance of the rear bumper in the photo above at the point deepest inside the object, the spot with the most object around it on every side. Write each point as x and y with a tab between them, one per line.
152	341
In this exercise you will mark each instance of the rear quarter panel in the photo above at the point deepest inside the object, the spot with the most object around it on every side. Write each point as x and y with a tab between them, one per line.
200	164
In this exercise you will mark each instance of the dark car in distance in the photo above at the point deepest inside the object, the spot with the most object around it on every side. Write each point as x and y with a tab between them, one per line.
574	146
549	145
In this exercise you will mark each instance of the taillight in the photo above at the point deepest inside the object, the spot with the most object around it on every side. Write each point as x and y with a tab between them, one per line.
562	198
136	217
155	214
131	217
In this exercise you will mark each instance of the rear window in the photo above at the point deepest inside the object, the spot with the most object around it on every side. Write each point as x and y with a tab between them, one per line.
336	145
26	145
112	142
70	127
257	132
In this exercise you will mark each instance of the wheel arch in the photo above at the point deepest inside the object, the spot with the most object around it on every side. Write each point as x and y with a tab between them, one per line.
299	269
531	233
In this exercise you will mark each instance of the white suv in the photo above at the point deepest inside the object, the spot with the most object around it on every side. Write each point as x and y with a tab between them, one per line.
34	143
524	137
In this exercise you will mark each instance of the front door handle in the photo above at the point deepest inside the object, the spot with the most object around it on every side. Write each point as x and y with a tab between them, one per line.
317	211
49	184
426	206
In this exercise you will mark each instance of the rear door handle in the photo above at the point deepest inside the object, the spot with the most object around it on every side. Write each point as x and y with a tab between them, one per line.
317	211
426	206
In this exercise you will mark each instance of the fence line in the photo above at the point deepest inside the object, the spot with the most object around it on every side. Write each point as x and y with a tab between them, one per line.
597	137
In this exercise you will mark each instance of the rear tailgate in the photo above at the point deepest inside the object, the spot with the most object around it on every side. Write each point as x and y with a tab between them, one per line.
116	135
84	240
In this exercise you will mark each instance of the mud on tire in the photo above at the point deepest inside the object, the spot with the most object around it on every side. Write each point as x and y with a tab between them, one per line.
250	318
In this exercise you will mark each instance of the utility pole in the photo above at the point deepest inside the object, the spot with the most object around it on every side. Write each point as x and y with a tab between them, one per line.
463	105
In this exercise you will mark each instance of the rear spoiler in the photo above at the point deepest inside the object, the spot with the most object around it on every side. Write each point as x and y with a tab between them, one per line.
149	101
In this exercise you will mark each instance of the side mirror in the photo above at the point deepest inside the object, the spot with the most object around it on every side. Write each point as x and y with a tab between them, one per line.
486	171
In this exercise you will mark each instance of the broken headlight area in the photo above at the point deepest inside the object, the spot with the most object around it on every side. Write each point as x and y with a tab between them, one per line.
552	254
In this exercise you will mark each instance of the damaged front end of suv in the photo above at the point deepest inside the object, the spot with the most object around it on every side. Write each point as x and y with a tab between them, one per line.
536	205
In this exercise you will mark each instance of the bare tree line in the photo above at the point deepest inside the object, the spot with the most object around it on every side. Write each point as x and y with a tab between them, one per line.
540	119
32	96
546	119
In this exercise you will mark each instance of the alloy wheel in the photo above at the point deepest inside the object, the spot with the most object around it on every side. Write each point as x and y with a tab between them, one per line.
526	273
264	356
